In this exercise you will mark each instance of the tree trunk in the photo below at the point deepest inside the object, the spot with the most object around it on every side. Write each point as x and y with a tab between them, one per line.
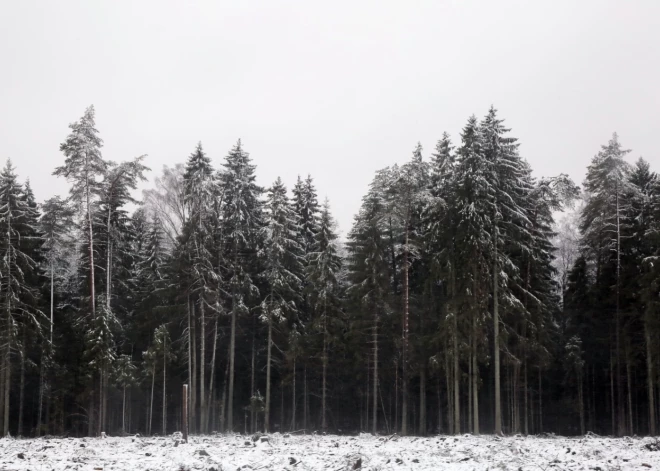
540	401
404	385
456	388
649	376
324	392
164	386
496	340
232	349
619	379
123	410
41	393
268	369
212	378
21	397
374	420
252	375
422	400
202	366
190	361
193	411
475	390
151	402
293	396
223	400
305	399
630	407
614	429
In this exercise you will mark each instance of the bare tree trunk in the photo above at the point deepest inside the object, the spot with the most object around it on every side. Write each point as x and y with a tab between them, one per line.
450	395
123	410
619	379
396	396
305	400
526	393
367	396
406	314
252	375
614	430
496	341
164	386
440	428
581	401
630	407
540	401
151	402
202	366
268	369
324	393
21	397
293	396
374	421
232	351
422	400
190	360
223	400
649	377
212	378
193	411
41	393
457	384
475	387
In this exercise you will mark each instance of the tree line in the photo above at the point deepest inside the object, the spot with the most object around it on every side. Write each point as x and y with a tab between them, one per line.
457	303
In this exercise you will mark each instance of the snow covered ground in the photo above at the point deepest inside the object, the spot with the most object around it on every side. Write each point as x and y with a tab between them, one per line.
333	453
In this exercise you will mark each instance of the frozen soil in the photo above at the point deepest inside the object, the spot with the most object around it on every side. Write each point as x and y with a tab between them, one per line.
330	452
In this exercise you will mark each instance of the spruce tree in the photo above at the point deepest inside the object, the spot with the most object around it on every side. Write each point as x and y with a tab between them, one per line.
282	262
324	265
243	223
18	273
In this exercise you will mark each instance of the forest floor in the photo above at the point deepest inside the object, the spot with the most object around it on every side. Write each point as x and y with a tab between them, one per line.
330	452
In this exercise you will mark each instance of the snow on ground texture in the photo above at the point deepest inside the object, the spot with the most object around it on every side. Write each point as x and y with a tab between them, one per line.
333	453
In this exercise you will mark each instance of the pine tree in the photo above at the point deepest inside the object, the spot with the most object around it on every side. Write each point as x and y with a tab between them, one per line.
84	168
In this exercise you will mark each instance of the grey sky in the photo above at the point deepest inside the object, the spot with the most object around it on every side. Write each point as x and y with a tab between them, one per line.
336	89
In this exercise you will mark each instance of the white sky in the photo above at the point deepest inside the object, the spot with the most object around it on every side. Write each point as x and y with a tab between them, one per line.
337	89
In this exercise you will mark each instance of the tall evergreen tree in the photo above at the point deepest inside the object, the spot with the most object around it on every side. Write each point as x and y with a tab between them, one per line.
242	216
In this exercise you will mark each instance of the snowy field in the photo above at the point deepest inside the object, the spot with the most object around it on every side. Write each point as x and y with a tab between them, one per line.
333	453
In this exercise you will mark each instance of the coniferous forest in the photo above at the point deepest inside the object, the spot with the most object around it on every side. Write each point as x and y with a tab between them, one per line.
468	296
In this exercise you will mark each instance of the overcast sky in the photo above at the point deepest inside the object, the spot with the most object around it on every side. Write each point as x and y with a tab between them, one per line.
337	89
